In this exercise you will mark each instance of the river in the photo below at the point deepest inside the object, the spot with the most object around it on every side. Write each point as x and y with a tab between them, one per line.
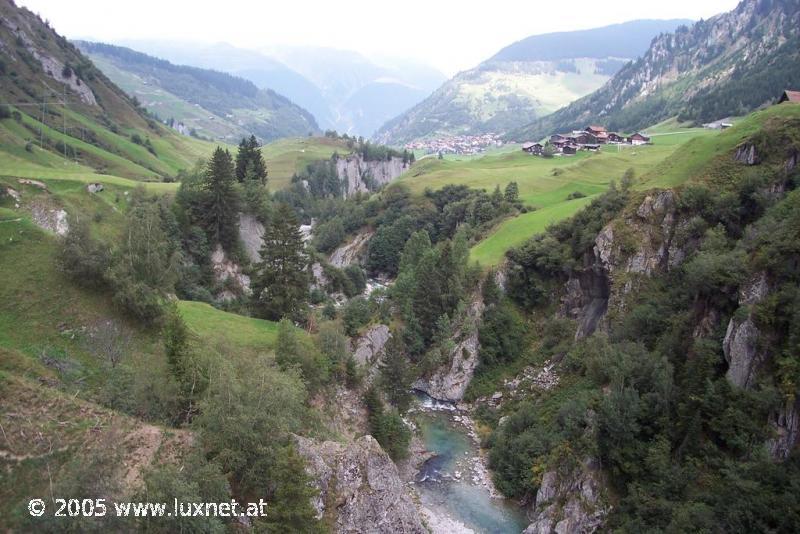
452	484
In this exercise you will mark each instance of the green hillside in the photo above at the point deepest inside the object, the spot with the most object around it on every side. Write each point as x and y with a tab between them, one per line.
524	81
61	113
674	158
209	103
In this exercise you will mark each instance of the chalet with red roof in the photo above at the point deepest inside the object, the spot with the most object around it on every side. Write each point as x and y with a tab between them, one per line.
790	96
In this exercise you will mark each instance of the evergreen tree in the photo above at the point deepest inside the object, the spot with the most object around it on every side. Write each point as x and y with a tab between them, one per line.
180	358
281	285
427	301
497	196
222	202
395	373
511	192
290	508
250	162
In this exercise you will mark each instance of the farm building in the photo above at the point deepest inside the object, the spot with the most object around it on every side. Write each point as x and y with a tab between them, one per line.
790	96
638	139
569	150
533	148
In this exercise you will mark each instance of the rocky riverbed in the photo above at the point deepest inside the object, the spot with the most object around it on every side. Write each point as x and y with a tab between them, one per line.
454	484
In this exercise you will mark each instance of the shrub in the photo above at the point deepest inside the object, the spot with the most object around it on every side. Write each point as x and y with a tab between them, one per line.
82	258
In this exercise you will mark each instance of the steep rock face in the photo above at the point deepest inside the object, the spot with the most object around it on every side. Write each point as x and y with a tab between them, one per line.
449	383
571	503
746	154
684	71
251	233
625	251
369	349
224	270
741	338
785	424
362	176
360	489
351	252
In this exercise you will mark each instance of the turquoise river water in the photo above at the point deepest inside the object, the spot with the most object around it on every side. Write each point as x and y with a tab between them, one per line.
447	482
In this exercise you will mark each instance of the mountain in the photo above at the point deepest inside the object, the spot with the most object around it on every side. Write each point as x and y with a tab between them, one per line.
61	112
526	80
724	66
211	103
363	93
326	81
264	71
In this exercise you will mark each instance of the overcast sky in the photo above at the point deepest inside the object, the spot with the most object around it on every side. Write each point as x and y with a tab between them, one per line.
450	35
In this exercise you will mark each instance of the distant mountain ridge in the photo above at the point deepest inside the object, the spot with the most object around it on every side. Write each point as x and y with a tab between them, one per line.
327	82
239	106
725	66
526	80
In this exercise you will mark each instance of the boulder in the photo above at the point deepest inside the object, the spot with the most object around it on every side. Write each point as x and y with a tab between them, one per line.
95	187
359	487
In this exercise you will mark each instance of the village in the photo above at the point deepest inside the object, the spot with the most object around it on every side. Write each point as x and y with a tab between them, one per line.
591	139
457	144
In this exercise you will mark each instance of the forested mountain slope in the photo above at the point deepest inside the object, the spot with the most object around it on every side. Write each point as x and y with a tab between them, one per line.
725	66
660	389
525	80
213	104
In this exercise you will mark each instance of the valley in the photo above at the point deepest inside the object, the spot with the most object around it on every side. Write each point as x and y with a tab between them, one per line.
566	337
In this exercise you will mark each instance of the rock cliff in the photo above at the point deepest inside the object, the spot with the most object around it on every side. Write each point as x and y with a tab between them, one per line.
351	252
569	503
636	246
359	487
251	233
449	383
361	176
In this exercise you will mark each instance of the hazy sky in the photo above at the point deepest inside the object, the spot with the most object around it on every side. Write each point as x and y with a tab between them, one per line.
449	35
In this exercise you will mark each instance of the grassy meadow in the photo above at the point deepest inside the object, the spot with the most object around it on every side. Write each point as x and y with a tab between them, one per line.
546	184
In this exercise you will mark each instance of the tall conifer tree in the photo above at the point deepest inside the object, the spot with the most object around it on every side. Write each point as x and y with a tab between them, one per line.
281	286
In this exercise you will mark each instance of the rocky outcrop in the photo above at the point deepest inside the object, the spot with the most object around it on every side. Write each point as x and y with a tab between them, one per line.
449	383
369	347
625	251
785	424
740	345
572	503
746	154
351	252
251	233
360	176
50	218
359	487
229	274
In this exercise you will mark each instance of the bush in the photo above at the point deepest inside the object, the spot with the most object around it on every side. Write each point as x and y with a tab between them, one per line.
356	314
502	335
82	258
